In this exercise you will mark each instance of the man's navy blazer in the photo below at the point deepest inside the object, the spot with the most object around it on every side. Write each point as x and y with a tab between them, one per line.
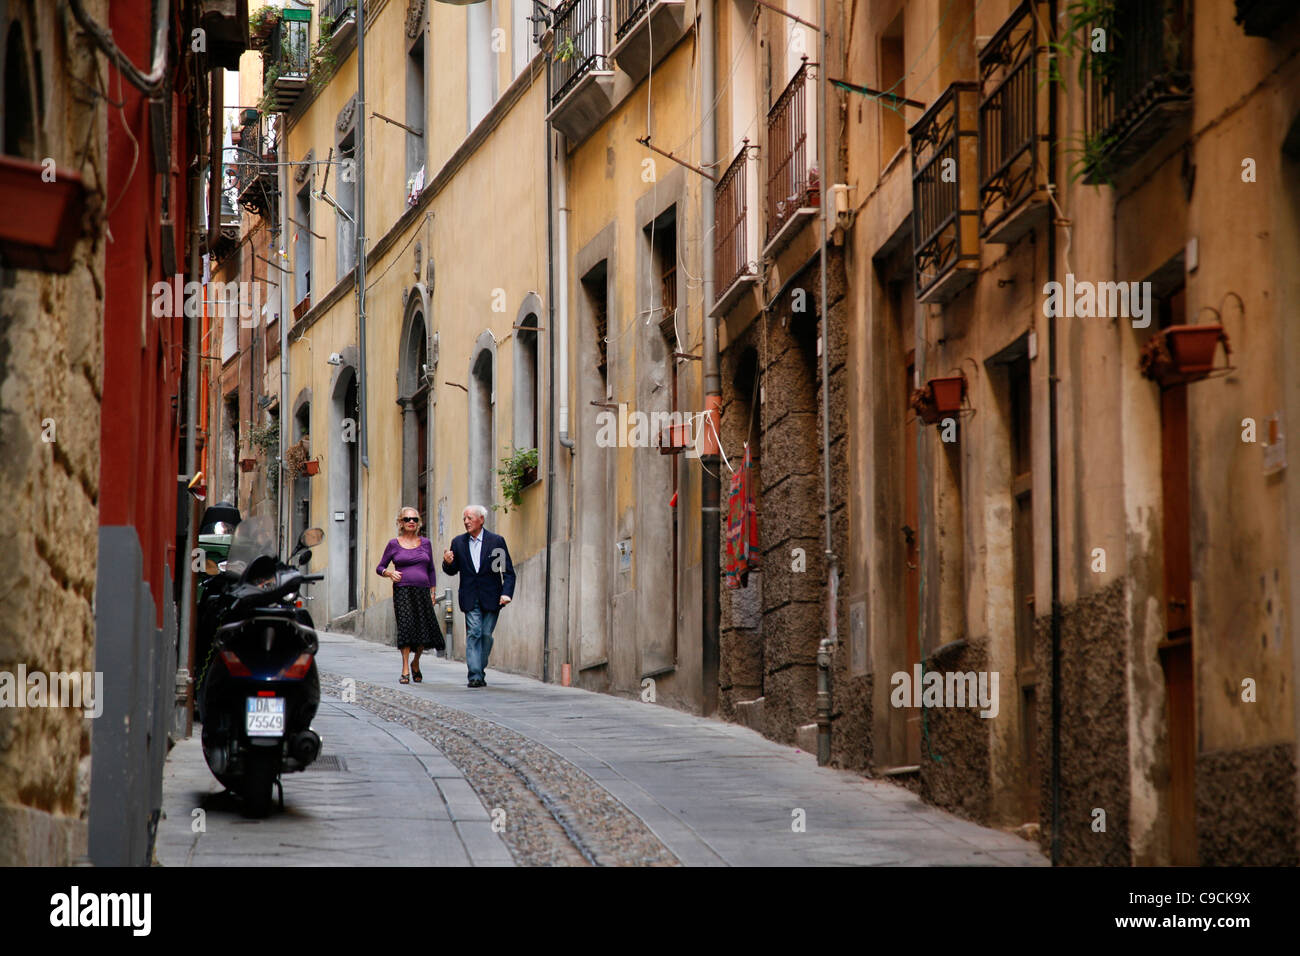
482	588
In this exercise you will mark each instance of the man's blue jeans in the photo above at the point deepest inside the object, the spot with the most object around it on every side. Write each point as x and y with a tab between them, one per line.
479	625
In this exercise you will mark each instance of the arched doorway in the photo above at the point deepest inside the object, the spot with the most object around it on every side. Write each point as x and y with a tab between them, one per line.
344	467
482	422
414	398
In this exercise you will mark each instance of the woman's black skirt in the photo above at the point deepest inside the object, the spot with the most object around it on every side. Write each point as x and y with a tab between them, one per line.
417	622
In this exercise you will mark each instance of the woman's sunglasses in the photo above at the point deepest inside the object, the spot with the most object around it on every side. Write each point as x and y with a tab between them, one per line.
410	519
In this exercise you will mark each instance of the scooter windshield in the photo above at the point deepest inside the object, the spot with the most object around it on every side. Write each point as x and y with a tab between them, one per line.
253	538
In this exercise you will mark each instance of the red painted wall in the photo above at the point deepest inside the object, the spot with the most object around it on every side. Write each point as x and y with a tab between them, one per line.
139	428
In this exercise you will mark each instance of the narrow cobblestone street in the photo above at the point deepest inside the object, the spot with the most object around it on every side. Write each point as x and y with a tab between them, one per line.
581	778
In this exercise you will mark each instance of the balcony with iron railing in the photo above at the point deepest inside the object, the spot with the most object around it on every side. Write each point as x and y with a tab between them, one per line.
645	31
792	186
945	194
733	270
336	12
287	59
1140	88
581	80
338	19
255	177
1013	199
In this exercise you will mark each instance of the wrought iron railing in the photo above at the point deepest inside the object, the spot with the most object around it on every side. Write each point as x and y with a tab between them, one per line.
626	15
337	11
944	230
255	178
730	248
290	49
249	155
581	44
788	180
1008	117
1147	67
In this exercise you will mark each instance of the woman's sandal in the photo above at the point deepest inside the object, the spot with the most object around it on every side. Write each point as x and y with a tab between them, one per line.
416	675
403	679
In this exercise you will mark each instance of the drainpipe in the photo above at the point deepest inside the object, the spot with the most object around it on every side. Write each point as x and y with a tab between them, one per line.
192	326
363	473
1054	492
710	529
829	642
551	389
215	155
560	150
832	570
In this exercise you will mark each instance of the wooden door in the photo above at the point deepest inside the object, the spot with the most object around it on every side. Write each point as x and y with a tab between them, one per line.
1176	648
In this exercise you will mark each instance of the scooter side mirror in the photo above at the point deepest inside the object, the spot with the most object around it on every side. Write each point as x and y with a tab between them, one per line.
311	537
304	559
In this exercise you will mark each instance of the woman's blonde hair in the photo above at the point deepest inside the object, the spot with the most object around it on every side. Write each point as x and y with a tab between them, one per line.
404	509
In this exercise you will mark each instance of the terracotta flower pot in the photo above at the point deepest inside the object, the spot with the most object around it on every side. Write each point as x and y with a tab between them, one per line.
42	220
311	467
1192	347
948	393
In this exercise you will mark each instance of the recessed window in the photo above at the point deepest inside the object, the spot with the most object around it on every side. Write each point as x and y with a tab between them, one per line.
893	126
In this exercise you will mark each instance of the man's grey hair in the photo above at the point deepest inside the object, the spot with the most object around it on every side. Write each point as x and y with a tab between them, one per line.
478	510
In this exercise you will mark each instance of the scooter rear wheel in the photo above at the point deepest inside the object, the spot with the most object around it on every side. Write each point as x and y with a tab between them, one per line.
261	766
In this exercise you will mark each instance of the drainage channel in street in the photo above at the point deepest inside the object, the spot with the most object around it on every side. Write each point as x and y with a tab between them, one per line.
554	813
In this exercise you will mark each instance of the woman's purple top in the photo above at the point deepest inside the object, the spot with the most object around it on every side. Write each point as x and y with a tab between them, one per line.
416	564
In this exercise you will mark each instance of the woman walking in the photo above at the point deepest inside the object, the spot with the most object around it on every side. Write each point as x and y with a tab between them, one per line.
413	580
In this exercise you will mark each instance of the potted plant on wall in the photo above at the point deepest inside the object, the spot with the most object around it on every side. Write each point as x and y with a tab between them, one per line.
1184	353
519	471
940	398
295	457
43	214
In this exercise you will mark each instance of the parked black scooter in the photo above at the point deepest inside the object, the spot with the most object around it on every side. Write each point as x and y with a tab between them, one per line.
258	688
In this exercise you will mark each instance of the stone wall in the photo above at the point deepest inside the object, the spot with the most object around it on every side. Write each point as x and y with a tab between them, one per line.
51	370
1094	728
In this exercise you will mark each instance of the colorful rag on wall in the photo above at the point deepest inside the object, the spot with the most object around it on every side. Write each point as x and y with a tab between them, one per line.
742	526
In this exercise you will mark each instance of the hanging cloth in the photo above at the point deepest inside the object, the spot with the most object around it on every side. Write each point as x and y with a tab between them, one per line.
742	526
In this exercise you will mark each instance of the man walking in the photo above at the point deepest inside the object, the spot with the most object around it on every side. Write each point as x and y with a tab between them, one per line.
487	584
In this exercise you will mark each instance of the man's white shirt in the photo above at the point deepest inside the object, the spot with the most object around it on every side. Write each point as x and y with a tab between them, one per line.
475	547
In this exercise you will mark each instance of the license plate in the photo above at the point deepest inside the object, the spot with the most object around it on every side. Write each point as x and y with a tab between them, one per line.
265	717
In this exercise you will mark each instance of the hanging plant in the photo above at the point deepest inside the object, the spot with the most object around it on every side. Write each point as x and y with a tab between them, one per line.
1077	37
519	472
265	437
267	103
566	50
296	455
260	24
1089	156
323	59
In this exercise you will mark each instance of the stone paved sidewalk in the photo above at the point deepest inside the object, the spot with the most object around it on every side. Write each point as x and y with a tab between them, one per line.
398	803
714	793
